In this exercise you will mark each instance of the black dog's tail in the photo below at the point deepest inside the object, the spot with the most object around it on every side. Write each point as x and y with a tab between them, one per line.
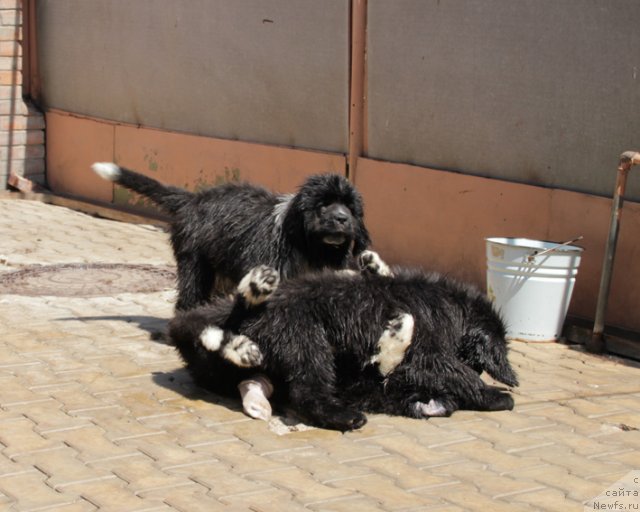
168	198
497	364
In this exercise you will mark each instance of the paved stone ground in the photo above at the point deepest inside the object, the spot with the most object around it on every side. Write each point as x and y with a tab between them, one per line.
95	415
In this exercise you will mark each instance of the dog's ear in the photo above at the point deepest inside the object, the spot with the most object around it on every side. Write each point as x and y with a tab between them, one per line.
361	239
293	220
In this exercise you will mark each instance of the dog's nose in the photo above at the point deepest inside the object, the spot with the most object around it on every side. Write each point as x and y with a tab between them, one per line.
340	214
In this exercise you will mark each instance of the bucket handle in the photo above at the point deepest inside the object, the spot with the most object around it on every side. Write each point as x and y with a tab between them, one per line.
532	256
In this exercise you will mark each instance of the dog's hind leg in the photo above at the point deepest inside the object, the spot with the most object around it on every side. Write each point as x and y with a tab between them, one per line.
195	281
254	288
195	337
255	393
204	346
433	408
497	364
486	349
495	399
460	387
235	348
242	352
438	384
397	397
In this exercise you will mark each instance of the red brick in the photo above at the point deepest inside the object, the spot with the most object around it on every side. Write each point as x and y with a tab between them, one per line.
10	4
10	63
10	48
10	17
20	152
10	33
13	106
29	167
10	78
21	123
17	137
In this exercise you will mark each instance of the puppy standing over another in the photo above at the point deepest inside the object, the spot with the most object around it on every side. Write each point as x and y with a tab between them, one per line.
218	235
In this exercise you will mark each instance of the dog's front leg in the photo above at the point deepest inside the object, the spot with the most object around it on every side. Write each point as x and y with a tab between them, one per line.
371	262
258	285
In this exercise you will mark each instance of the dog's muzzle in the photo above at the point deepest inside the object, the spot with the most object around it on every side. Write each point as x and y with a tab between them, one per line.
334	225
336	239
337	224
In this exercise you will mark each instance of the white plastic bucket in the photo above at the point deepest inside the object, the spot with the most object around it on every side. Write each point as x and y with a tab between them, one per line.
531	292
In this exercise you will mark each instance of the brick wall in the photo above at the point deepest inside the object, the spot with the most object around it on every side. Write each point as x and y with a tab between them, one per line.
21	125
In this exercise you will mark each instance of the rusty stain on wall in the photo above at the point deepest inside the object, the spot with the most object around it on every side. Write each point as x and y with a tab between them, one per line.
151	160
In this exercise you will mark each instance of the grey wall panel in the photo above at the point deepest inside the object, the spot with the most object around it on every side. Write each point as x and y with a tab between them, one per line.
538	91
271	71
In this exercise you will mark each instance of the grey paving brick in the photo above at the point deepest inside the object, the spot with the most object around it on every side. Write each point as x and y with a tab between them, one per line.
96	416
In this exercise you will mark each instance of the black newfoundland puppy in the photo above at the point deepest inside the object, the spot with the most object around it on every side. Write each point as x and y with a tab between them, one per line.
338	344
220	234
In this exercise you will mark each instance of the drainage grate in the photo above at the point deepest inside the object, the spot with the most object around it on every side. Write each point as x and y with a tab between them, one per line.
87	279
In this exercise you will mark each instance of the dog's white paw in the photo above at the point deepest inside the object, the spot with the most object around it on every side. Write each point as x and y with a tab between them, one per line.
211	338
259	284
370	261
255	395
242	352
393	342
433	408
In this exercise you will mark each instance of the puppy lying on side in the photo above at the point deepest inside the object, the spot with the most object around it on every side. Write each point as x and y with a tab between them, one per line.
337	345
255	288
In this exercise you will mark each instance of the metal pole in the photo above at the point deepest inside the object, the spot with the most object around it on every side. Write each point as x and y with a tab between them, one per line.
358	85
627	160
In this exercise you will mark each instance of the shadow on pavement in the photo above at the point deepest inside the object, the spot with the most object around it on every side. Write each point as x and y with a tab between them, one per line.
156	327
179	381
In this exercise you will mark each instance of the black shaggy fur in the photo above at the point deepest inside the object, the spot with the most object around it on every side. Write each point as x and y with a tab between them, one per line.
318	334
219	234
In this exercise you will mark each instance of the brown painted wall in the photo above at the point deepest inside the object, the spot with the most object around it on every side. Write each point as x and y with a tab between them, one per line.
190	161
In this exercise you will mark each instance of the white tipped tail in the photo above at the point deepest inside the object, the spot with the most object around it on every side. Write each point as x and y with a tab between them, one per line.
107	170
